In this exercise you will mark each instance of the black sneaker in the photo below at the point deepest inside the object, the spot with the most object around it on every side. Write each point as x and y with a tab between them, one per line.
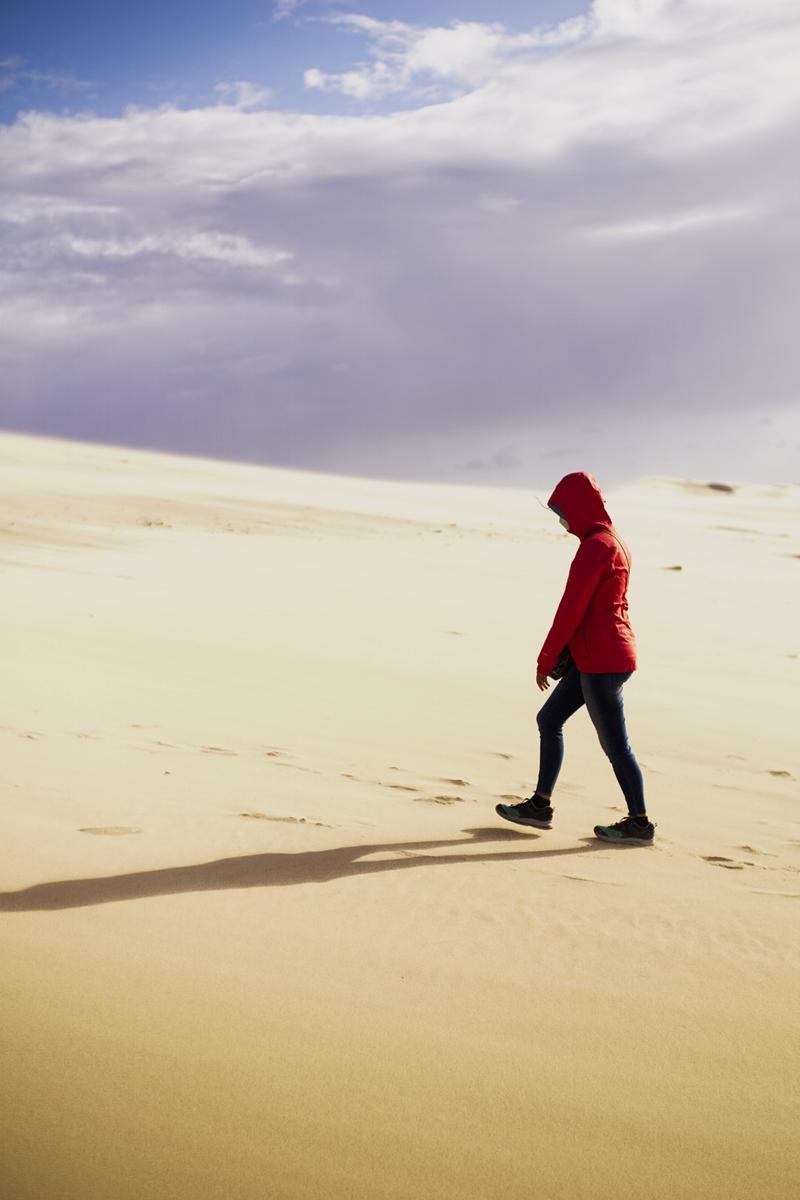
527	813
627	830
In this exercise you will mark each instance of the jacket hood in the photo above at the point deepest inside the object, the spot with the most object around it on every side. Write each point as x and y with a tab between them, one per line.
579	500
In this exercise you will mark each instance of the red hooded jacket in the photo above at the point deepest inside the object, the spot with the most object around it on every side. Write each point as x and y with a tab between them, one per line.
592	617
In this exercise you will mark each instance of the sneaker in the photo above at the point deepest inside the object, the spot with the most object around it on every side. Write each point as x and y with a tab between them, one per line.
627	830
527	813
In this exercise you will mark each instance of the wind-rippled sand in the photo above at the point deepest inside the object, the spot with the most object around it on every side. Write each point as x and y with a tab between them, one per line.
262	932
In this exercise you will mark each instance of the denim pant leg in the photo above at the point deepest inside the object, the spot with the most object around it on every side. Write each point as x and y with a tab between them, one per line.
603	694
565	699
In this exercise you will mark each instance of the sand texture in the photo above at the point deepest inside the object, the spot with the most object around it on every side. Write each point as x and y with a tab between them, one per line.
264	937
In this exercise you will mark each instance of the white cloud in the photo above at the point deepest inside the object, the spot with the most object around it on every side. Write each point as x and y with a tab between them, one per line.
19	210
14	71
668	20
690	221
413	58
196	247
361	84
286	8
243	94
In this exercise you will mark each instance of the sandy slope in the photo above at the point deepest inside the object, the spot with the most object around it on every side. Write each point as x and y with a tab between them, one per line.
263	934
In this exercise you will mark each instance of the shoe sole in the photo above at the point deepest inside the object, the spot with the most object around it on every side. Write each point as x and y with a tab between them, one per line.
545	823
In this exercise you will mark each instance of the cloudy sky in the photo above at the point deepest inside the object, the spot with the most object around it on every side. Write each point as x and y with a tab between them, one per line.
476	241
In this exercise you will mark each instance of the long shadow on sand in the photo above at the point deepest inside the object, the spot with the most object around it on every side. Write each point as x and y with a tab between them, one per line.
266	870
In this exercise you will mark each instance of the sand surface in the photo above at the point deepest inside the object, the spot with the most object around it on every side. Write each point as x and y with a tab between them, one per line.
262	933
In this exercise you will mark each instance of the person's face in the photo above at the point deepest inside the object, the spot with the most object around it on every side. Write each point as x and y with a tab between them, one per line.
562	519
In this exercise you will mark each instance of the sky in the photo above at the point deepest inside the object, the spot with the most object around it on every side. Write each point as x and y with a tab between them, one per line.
464	241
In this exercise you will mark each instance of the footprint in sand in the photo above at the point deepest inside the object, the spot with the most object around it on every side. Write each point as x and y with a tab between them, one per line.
110	830
296	767
782	774
398	787
217	750
500	754
456	782
438	799
729	863
33	735
260	816
587	879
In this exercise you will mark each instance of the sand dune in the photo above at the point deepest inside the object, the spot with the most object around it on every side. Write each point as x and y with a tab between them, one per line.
263	933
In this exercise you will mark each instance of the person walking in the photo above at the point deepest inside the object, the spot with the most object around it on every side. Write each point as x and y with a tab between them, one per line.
592	622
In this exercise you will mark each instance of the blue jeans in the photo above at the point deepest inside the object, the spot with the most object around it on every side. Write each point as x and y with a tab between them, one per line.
601	692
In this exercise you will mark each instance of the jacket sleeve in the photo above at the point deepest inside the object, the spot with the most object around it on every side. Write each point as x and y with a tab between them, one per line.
585	573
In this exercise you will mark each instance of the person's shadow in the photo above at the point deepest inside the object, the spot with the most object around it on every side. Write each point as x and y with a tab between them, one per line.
277	869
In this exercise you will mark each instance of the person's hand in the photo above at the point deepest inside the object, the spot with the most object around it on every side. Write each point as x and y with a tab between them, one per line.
542	682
